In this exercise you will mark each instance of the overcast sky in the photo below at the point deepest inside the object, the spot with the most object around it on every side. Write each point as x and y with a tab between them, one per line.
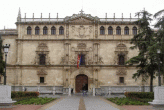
9	8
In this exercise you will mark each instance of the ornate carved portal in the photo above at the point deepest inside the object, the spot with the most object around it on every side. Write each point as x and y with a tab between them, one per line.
81	82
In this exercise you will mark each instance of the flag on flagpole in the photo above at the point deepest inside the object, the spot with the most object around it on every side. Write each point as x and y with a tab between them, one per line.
78	61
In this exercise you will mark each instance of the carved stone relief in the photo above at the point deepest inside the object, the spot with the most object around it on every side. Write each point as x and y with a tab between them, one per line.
67	31
42	72
121	71
96	31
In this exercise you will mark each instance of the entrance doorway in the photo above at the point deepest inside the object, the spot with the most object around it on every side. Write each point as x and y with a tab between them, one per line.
81	82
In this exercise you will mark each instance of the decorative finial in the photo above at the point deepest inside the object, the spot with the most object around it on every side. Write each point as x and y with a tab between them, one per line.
25	15
33	15
81	12
57	15
41	15
130	15
114	15
122	15
19	15
49	15
106	15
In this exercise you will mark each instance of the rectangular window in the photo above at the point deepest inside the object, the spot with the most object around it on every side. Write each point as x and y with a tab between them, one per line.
121	79
41	79
82	61
42	59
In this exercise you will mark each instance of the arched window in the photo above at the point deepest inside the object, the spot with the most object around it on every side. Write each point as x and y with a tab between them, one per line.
110	30
134	30
121	60
37	30
61	30
42	59
28	30
118	30
53	30
45	30
102	30
126	30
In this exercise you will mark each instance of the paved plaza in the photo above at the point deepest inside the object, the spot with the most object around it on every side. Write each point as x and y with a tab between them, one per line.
80	102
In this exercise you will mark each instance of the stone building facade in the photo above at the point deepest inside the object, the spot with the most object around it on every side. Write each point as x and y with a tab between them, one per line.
43	54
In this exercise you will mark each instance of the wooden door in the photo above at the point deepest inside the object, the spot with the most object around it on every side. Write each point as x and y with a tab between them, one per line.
80	80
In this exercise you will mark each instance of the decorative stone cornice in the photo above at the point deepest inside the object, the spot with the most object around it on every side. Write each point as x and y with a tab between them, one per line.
81	16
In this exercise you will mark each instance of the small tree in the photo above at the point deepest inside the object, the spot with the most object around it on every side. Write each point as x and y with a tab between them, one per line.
2	63
160	37
143	40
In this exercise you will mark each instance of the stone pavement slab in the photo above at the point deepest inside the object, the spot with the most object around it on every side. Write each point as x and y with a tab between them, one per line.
68	103
95	103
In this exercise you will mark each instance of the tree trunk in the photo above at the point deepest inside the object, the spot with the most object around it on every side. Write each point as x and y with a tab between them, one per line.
151	82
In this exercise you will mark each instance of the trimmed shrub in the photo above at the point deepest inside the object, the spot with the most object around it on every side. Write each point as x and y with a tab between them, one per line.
19	94
142	95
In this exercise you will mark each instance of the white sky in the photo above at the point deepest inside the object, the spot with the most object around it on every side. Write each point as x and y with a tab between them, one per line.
9	8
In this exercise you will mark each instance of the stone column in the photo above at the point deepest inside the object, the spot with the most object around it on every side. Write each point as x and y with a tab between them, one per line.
69	93
38	89
19	45
109	91
54	90
93	91
67	76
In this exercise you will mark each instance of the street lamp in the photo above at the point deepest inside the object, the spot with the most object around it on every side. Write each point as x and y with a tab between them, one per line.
5	49
159	76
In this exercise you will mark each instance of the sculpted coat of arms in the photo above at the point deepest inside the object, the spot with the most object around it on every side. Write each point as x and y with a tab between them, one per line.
81	31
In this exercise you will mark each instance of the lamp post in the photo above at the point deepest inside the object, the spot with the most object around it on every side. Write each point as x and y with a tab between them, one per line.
159	76
5	49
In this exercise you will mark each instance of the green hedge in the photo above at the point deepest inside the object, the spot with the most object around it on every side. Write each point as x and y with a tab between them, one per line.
24	94
142	95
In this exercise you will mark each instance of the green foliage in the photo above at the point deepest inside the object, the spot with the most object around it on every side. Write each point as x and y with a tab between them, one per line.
145	60
142	95
20	94
127	101
35	100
